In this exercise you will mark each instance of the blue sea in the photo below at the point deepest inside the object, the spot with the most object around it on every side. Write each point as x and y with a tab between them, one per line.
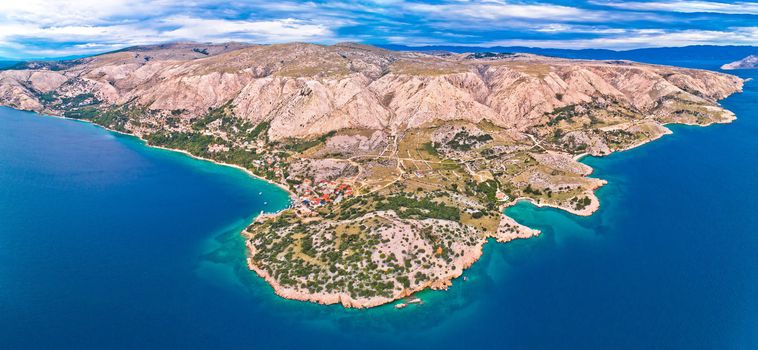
108	244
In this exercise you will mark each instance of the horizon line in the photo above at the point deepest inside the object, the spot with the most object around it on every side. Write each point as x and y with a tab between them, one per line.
383	46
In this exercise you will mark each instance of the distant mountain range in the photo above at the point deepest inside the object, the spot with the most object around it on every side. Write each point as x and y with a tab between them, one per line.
653	55
722	54
4	63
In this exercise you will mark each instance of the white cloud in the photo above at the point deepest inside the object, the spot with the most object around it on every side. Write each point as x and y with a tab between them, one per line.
282	30
477	13
493	10
415	40
579	29
685	6
645	38
79	12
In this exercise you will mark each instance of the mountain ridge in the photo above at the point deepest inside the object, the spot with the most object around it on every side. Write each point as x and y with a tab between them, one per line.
221	74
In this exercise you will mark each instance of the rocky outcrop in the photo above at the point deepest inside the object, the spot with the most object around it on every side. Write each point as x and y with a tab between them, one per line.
748	62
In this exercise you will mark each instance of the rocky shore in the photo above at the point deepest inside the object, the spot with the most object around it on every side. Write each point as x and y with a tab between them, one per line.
503	235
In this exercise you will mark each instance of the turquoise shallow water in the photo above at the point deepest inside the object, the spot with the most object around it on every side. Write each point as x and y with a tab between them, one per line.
106	243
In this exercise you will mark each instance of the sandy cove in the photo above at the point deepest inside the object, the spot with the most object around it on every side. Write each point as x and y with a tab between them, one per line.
586	211
220	163
247	171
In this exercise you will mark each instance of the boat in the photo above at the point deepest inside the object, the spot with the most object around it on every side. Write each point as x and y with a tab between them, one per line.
409	301
416	301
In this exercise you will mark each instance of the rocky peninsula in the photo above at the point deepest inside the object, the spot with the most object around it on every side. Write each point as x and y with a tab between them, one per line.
749	62
399	163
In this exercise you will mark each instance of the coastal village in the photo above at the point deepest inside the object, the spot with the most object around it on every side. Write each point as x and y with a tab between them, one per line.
324	192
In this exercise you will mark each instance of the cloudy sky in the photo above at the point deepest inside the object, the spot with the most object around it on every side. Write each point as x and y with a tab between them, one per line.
54	28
